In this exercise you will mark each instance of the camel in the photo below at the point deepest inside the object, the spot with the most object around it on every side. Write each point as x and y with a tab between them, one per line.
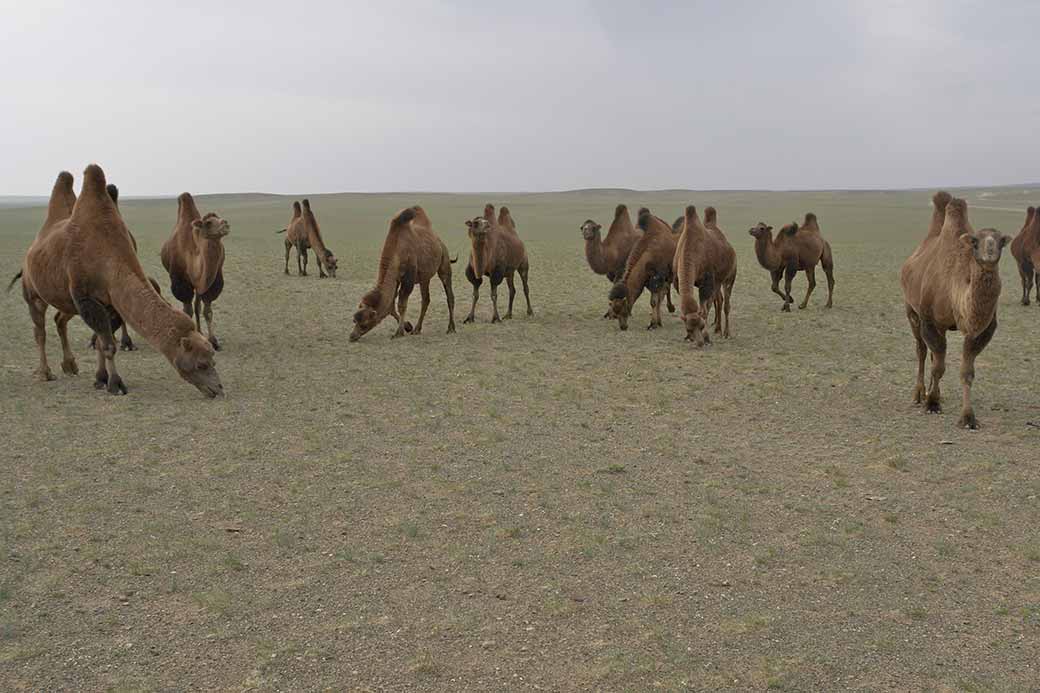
608	255
303	233
1026	251
649	266
83	263
795	249
194	258
704	259
497	253
952	282
412	254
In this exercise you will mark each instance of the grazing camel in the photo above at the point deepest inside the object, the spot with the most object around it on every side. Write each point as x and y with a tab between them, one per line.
303	233
83	263
497	253
649	266
795	249
1026	251
952	282
412	254
194	258
703	259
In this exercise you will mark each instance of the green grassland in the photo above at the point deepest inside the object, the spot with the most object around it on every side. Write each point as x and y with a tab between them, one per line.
544	504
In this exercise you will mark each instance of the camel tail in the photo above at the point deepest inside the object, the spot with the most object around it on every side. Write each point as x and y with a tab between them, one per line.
11	284
453	260
281	231
404	217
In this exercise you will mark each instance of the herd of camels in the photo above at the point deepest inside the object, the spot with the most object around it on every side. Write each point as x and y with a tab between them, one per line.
84	262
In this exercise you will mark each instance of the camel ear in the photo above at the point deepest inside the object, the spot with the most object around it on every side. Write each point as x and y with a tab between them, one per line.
185	342
197	225
969	241
769	228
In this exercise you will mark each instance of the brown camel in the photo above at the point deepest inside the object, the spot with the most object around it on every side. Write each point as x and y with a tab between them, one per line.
497	253
952	282
303	233
412	254
795	249
1026	251
194	258
704	259
608	255
649	266
83	263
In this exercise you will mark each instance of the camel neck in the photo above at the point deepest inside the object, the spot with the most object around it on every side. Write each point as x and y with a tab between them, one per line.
766	253
482	254
144	310
595	255
210	258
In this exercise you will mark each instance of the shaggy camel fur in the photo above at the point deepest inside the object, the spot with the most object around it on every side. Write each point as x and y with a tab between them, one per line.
795	249
303	233
194	258
1026	251
412	254
497	253
703	259
83	263
649	266
952	282
608	255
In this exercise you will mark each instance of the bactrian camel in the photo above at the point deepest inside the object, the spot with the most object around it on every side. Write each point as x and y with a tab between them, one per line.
412	254
194	258
497	253
1026	251
303	233
83	263
795	249
952	282
706	269
649	266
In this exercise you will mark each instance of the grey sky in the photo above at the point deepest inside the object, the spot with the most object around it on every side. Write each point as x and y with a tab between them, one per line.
462	96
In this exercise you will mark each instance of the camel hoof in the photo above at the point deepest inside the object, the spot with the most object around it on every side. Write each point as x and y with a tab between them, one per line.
530	313
918	394
671	309
287	273
507	316
214	343
968	421
451	329
101	380
44	375
801	306
495	319
116	386
933	407
69	367
786	308
127	345
469	320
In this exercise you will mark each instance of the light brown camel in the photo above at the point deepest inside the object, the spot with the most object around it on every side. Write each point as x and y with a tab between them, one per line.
608	255
497	253
704	260
795	249
412	254
303	233
649	266
1026	250
952	282
194	258
83	263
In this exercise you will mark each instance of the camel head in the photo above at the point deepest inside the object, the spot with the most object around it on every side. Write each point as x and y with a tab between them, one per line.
590	230
620	308
986	246
367	315
211	226
194	362
330	262
695	325
761	230
479	228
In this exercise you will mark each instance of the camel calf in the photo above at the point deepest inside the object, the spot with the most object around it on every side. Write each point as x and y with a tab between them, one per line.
497	253
952	282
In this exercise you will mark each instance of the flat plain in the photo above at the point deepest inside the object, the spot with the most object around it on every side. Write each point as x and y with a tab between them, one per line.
542	504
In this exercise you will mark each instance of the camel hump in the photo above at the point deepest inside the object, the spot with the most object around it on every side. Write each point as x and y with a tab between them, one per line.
790	229
690	214
64	181
643	220
113	192
957	208
186	209
1030	214
710	215
403	217
678	224
296	208
489	212
306	204
810	221
94	184
420	214
62	197
619	210
941	199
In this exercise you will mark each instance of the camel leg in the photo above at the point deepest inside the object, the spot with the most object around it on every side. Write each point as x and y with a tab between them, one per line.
1038	288
527	292
198	312
207	312
655	309
38	313
424	292
125	343
1025	272
512	295
68	359
473	309
402	307
828	269
810	274
494	296
789	275
449	294
288	247
972	347
97	318
775	277
301	260
725	304
668	297
718	309
936	341
922	351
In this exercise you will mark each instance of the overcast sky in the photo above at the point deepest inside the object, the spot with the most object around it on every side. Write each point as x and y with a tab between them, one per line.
509	96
